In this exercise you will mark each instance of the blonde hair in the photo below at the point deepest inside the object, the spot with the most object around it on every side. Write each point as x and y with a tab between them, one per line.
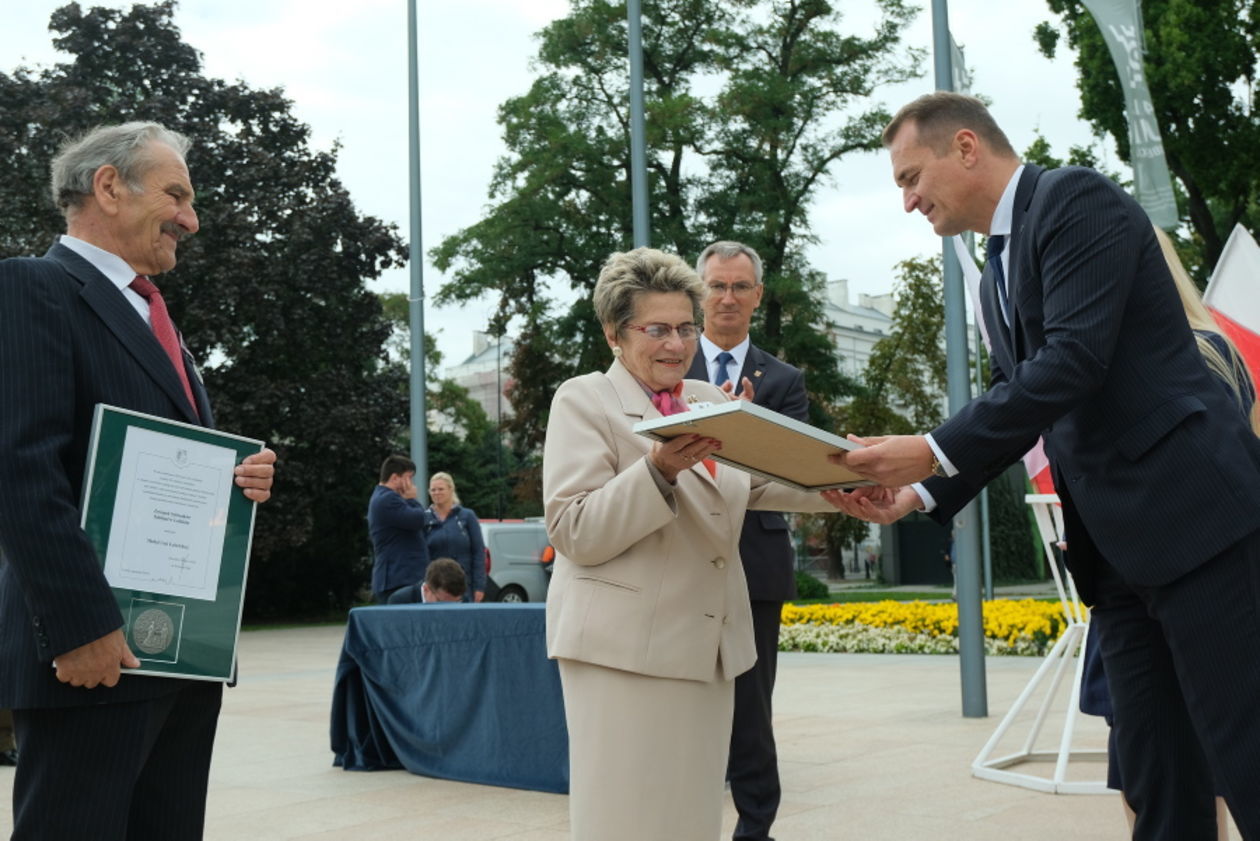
1232	369
446	477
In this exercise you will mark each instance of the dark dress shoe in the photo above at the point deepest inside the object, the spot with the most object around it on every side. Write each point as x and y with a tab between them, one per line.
8	757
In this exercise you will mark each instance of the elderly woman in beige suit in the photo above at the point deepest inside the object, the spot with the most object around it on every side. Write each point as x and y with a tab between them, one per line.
647	612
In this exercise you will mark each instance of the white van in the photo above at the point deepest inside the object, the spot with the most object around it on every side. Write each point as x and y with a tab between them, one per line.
518	560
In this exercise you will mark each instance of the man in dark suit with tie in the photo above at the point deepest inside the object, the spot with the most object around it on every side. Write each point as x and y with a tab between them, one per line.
106	756
728	358
1157	470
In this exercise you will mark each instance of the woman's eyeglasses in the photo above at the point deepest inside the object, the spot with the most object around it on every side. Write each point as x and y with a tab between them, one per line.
687	332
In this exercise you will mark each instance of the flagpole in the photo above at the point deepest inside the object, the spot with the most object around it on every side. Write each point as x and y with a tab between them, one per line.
638	144
975	702
419	426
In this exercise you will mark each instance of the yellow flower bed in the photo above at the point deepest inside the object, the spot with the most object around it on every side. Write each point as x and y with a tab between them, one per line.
1026	626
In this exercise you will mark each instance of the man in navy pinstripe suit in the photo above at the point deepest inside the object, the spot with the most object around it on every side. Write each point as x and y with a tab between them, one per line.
106	756
1157	470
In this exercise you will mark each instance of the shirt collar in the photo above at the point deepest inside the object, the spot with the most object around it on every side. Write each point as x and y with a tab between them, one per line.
1004	213
107	263
711	351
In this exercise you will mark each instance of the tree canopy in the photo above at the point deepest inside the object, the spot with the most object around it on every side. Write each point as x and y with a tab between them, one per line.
749	104
269	295
466	442
1200	63
904	380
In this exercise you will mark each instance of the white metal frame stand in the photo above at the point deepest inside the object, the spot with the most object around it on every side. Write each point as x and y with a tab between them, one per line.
1049	676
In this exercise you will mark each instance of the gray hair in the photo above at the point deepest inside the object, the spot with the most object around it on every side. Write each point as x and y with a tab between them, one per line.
729	249
443	476
626	274
124	147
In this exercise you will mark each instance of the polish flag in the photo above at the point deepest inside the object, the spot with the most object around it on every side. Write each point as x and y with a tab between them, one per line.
1233	296
1035	461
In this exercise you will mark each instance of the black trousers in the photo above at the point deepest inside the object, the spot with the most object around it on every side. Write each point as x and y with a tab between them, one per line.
6	731
1183	668
382	596
753	767
134	771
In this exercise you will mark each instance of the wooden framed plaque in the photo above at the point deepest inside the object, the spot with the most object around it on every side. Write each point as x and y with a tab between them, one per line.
763	442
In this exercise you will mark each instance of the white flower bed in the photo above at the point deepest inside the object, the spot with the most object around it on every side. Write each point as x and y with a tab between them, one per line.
863	639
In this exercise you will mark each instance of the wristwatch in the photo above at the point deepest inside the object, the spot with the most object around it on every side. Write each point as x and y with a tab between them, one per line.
938	469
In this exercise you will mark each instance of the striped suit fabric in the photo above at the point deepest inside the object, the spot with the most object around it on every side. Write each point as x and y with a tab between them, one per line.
1158	474
68	341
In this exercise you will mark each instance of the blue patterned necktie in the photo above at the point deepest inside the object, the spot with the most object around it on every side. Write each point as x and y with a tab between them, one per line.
993	253
723	359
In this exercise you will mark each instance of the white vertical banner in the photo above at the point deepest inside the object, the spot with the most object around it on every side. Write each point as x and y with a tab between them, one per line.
958	68
1120	22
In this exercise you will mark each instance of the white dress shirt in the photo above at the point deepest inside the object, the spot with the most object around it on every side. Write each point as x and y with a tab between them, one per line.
733	368
113	267
1003	217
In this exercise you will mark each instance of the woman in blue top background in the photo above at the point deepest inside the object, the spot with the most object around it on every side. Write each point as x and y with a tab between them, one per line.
454	532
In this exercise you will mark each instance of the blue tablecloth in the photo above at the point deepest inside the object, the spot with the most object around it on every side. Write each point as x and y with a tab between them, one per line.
462	692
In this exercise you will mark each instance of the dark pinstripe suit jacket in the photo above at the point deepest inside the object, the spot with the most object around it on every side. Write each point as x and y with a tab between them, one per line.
764	543
68	340
1157	470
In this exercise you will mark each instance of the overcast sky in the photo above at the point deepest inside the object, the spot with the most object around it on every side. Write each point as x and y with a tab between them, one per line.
344	65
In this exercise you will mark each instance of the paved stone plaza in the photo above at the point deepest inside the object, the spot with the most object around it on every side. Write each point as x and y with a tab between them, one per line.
872	747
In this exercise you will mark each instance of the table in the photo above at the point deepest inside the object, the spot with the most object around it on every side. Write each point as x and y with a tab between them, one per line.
458	691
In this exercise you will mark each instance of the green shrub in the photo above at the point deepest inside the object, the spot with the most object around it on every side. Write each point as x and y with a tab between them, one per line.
1010	534
809	587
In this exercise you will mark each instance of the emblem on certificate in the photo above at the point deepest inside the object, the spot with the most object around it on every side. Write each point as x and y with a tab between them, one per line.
154	630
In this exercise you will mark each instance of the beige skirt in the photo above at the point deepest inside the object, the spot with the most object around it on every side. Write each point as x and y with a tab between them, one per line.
647	755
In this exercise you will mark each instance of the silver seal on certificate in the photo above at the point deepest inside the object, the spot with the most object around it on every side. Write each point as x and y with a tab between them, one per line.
153	631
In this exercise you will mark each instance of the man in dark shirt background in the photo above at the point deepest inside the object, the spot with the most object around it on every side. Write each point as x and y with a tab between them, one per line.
396	523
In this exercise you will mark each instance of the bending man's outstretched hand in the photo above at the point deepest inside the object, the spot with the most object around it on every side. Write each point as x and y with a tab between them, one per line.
874	503
889	460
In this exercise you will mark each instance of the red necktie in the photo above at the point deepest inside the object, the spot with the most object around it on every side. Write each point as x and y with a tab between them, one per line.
668	403
164	331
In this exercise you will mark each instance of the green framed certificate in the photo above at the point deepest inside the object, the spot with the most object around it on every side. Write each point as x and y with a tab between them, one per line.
173	533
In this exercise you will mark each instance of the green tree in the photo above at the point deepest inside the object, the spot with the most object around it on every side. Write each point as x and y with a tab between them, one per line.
1011	542
797	98
902	386
901	394
467	443
270	294
904	380
1200	65
792	98
1040	153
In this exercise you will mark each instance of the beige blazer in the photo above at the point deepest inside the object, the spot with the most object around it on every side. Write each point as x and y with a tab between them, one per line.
644	582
